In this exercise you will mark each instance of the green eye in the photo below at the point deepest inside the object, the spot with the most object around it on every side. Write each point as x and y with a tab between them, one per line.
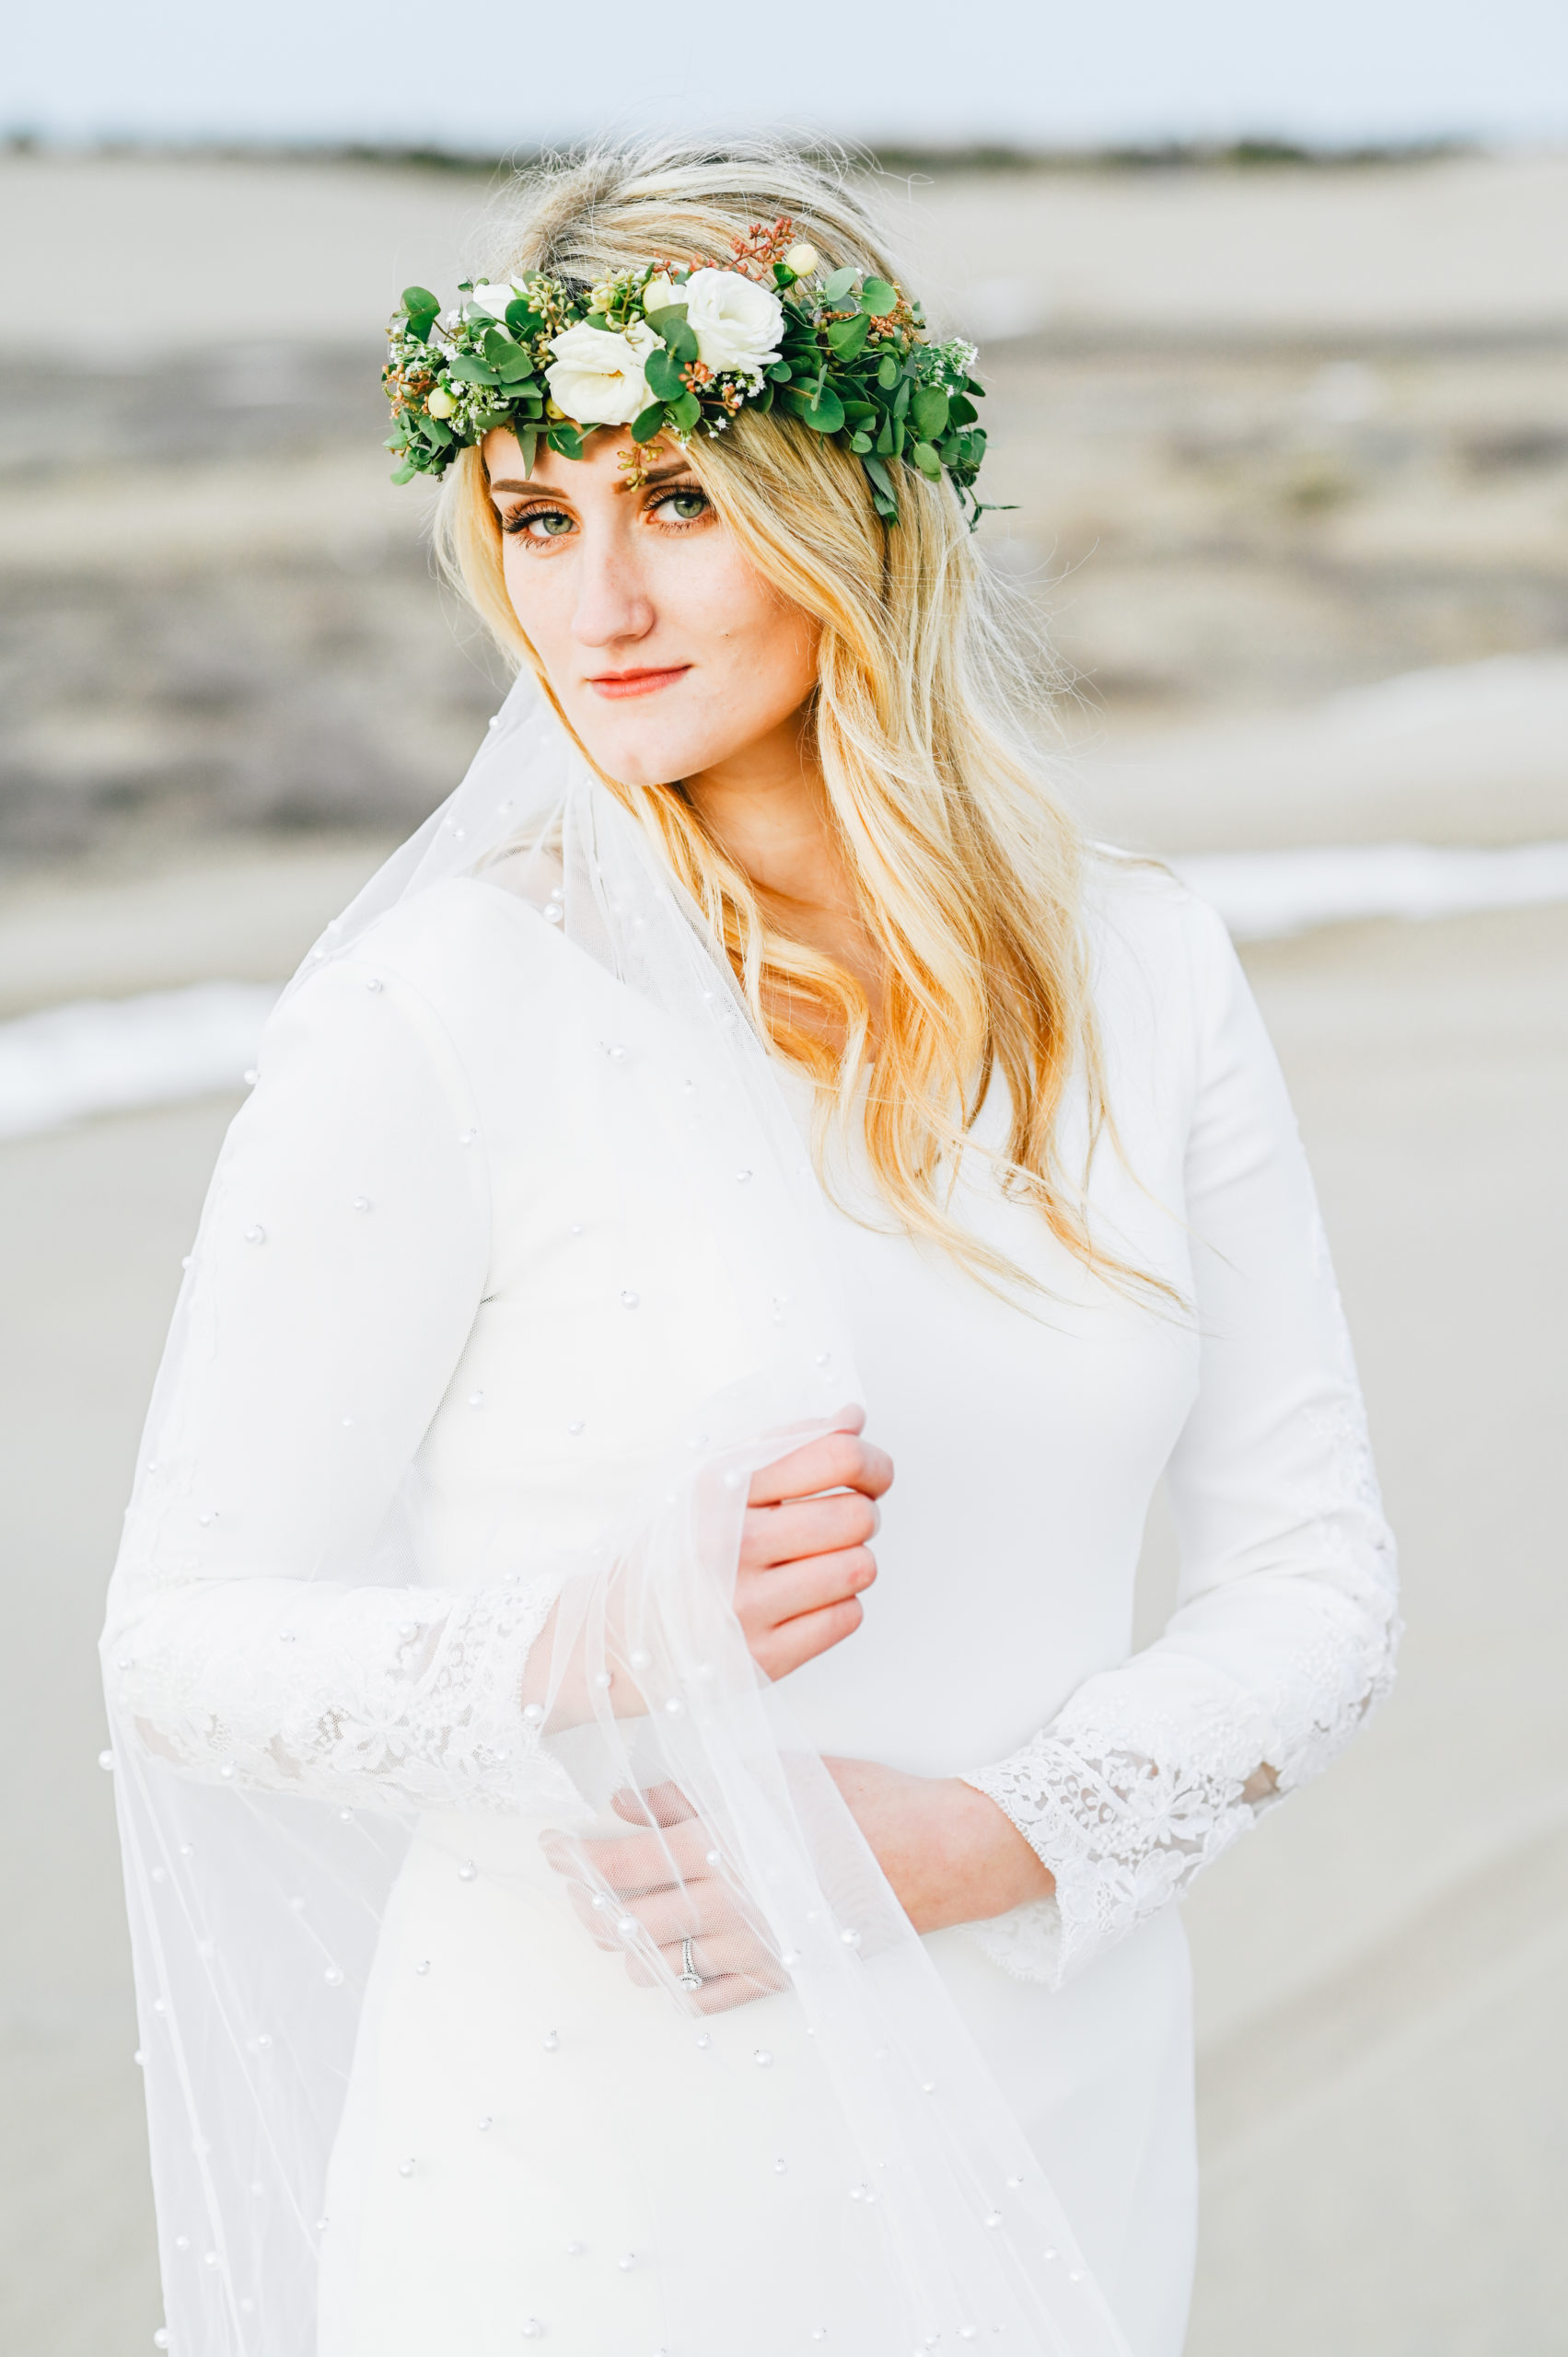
684	506
551	523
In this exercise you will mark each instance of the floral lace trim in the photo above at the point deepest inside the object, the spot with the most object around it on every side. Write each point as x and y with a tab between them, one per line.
374	1697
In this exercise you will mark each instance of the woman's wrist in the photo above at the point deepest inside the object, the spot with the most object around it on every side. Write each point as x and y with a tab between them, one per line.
991	1867
950	1854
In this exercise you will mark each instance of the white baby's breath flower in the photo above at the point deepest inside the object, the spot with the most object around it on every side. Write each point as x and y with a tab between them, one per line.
597	378
738	323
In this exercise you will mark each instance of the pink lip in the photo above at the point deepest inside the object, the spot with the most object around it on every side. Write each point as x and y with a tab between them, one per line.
636	683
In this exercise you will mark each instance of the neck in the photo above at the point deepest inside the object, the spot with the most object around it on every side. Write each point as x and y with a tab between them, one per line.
768	808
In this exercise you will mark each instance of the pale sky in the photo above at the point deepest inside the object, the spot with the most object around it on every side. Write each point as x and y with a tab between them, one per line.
493	75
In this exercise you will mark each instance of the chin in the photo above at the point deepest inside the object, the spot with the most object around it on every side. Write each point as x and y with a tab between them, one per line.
644	756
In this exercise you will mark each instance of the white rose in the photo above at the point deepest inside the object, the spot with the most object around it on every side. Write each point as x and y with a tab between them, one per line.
494	299
737	323
597	376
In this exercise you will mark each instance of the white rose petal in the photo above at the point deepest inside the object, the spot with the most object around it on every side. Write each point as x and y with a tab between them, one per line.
738	323
494	299
661	292
597	378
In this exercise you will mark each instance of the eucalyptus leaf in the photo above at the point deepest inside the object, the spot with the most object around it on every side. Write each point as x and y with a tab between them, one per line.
683	344
887	372
860	444
472	372
878	298
926	460
781	372
420	304
834	289
663	376
685	414
527	442
848	336
406	472
928	409
648	423
565	439
523	320
826	413
664	321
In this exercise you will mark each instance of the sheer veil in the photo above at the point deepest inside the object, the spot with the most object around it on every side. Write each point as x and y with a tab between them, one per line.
258	1886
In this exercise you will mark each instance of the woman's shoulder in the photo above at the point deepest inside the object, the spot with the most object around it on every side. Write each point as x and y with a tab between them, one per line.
1149	929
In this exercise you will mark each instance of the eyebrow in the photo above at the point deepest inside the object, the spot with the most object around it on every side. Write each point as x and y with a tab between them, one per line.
659	474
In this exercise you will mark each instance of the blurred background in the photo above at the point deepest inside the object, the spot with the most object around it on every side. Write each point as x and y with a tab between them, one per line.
1274	316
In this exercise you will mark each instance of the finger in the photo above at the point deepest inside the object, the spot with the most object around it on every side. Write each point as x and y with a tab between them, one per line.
649	1860
659	1804
781	1649
686	1911
764	1600
837	1460
712	1955
817	1525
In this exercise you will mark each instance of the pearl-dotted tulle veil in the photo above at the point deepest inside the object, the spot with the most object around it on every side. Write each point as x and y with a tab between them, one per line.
255	1910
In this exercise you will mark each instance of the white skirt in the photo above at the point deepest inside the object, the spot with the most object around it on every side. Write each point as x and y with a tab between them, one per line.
529	2139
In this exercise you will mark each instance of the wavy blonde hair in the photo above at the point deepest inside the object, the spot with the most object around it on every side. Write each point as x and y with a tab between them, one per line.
930	690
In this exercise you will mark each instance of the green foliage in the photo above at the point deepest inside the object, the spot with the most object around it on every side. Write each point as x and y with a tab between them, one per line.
855	365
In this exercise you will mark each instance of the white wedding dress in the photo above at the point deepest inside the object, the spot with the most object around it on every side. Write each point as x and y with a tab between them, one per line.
528	2142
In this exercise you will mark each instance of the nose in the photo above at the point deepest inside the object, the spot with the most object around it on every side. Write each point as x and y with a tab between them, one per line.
613	608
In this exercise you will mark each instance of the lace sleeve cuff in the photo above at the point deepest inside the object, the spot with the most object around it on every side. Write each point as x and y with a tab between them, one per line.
1124	1812
378	1698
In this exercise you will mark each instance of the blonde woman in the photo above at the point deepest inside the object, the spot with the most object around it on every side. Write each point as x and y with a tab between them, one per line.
644	1828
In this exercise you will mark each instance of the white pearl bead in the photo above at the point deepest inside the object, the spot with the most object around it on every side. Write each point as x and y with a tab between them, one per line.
761	2057
604	1677
704	2040
627	2261
968	2332
781	2168
106	1761
533	1712
741	1177
250	1076
672	1704
467	1871
466	1137
573	1430
626	1925
476	1399
375	984
928	2086
486	2122
182	2242
423	1966
993	2217
638	1658
553	915
405	2168
849	1939
551	2041
362	1202
257	1234
630	1300
333	1976
712	1857
531	2329
160	2337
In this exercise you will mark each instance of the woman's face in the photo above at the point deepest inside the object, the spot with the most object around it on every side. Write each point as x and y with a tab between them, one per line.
669	654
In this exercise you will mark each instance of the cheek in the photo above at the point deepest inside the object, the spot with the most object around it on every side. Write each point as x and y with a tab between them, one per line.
765	649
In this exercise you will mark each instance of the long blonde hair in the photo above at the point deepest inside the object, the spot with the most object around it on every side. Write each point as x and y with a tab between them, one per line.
930	690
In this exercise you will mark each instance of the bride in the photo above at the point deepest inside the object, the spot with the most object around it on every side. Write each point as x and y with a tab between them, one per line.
645	1832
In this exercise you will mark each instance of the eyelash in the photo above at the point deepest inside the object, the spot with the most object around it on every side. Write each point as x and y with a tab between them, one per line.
515	520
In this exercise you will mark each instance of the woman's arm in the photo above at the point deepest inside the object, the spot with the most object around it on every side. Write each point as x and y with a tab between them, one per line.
1286	1624
341	1261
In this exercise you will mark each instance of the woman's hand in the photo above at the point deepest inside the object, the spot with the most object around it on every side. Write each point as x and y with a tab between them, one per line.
806	1558
667	1884
951	1855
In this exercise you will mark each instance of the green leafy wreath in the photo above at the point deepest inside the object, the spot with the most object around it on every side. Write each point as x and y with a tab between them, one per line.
690	347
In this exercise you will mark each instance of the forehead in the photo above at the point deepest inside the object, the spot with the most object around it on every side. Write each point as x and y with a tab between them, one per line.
597	469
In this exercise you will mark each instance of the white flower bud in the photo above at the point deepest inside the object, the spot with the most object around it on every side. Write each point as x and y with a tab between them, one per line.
802	259
440	402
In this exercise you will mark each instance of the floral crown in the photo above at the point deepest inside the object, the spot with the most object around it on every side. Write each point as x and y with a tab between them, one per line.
675	349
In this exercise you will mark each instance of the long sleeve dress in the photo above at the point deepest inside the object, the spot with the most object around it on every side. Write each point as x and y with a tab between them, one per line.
375	1306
